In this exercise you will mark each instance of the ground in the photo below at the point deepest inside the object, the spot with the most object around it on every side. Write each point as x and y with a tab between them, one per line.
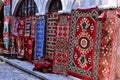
7	72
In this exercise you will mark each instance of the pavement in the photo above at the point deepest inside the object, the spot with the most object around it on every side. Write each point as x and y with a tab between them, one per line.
28	68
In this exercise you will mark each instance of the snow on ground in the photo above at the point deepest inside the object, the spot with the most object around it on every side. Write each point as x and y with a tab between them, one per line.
49	76
8	72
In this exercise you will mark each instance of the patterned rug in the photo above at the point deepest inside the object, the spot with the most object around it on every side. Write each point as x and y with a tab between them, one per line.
33	23
61	45
6	24
109	45
14	26
12	44
20	46
29	49
39	36
27	26
81	57
21	26
51	33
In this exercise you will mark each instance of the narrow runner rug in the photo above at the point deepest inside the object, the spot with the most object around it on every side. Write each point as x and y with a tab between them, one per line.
61	45
39	36
52	18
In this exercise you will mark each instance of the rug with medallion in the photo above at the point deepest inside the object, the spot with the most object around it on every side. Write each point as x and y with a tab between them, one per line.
82	56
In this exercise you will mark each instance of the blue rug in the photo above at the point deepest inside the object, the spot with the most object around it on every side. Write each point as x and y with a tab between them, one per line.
39	36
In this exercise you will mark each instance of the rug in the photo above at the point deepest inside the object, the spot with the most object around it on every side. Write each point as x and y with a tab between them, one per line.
20	46
52	17
61	45
33	23
14	26
21	25
12	44
27	26
109	46
6	35
29	49
82	57
7	10
39	36
6	24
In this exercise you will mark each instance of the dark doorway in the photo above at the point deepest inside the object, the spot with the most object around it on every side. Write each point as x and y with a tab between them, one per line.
55	5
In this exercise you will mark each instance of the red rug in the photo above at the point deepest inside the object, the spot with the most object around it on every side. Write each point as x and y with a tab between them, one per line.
82	42
21	27
20	46
61	45
29	48
109	45
51	33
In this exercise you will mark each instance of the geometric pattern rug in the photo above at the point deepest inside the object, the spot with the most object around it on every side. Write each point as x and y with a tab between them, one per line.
61	45
82	59
39	36
27	26
52	18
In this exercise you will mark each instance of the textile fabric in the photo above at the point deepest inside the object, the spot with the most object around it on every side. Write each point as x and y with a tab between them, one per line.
6	23
33	22
109	45
82	58
20	46
21	28
52	18
39	36
27	26
29	48
14	26
61	45
12	46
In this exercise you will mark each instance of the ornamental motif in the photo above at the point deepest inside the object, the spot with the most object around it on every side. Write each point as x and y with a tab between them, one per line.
85	24
84	43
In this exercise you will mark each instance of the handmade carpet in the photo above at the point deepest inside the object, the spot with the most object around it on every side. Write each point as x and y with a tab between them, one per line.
20	46
12	44
39	36
6	35
27	26
109	45
82	57
33	23
29	48
61	45
51	33
14	26
7	10
21	28
6	24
